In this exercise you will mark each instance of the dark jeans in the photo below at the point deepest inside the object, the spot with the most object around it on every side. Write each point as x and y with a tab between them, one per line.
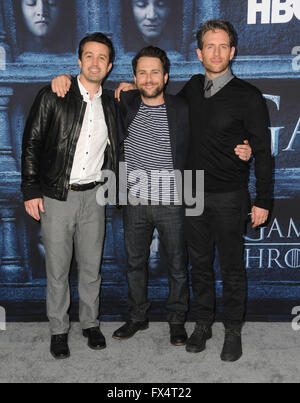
222	225
139	224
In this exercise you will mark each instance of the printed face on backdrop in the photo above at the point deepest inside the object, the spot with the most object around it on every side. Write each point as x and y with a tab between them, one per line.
151	17
217	53
41	16
150	78
94	63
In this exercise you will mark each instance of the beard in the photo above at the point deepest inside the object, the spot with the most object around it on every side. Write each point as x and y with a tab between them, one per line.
154	93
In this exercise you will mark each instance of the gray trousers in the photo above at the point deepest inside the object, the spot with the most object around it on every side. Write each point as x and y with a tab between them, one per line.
78	223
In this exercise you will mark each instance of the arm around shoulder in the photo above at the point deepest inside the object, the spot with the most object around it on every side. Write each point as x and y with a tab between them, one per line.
257	123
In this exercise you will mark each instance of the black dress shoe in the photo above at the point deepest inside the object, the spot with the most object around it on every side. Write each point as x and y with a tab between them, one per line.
59	347
96	340
197	342
232	349
178	335
129	329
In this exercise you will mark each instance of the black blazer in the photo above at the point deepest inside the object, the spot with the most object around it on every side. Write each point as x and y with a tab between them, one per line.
178	118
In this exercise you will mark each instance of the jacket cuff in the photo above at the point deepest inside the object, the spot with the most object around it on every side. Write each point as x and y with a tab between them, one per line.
32	192
263	203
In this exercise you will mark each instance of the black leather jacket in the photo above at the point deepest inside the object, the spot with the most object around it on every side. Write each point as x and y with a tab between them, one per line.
50	139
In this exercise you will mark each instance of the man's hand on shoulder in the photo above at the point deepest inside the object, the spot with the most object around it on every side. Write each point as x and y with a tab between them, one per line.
61	85
124	87
259	216
34	207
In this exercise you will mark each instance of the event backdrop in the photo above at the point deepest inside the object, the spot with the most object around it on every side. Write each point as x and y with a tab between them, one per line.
38	40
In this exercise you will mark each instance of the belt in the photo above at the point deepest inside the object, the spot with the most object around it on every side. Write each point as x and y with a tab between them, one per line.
82	188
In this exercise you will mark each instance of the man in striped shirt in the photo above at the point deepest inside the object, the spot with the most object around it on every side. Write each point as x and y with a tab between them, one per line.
155	140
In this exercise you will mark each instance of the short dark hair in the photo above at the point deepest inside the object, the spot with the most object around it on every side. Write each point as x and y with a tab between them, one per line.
152	51
100	38
212	25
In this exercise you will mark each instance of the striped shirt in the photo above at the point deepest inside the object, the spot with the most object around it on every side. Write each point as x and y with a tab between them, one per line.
148	155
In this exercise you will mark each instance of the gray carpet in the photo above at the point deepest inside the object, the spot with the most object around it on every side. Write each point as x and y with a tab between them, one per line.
271	355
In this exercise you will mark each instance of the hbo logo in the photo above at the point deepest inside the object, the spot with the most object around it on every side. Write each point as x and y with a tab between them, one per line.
273	11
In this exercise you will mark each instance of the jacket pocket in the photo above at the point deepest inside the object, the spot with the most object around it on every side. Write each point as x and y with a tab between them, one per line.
52	168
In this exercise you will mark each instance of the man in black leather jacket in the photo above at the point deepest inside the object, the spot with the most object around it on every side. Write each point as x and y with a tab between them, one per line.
66	144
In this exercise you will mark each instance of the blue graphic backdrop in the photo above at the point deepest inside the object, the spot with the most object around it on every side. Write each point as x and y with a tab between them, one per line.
32	53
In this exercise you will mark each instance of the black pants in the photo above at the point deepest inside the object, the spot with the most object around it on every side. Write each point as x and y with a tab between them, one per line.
222	225
139	224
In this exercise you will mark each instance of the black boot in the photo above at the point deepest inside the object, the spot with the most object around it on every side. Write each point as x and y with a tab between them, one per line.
96	340
197	342
130	329
178	335
232	350
59	347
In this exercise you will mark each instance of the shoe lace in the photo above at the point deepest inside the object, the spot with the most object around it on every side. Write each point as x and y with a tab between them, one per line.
200	329
60	339
95	330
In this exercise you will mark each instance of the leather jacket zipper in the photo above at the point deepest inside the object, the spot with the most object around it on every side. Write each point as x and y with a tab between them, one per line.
69	168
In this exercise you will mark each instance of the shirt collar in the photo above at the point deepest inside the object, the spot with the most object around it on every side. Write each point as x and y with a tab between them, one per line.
221	81
85	93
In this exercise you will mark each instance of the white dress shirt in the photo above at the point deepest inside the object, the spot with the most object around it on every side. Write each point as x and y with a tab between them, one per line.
92	142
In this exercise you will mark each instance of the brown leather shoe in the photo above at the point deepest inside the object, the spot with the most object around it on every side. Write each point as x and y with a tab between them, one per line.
178	335
130	329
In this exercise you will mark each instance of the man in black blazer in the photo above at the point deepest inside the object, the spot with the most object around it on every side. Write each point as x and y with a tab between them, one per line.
155	141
